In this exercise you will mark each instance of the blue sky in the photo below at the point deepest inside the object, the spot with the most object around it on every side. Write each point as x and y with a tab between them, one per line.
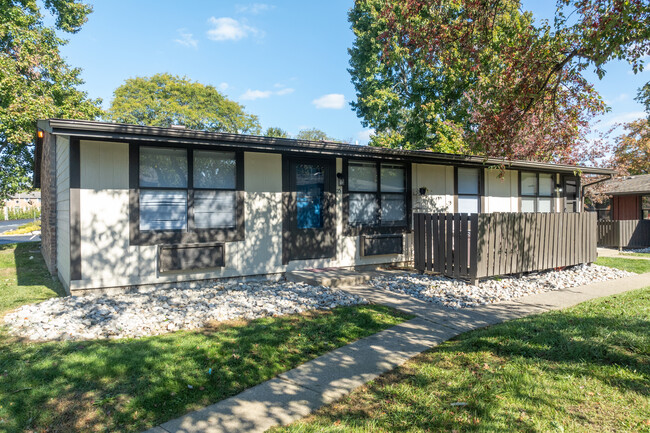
285	61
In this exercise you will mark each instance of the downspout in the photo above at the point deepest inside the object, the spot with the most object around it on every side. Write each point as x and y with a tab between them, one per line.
582	190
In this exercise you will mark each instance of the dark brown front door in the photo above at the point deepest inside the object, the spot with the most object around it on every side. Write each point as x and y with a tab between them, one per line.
309	188
571	185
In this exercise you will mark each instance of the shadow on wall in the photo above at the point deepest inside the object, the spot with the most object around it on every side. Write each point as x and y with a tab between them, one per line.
106	251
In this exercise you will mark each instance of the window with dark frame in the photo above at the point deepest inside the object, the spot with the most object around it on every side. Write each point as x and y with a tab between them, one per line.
537	192
468	190
186	189
377	194
645	207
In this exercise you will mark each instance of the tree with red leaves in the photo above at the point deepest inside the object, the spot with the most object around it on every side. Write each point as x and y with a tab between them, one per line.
481	76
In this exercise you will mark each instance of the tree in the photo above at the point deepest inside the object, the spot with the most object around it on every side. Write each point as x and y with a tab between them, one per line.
35	82
313	134
276	132
165	100
632	149
479	76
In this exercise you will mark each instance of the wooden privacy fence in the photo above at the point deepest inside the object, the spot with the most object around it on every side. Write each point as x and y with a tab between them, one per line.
473	246
624	234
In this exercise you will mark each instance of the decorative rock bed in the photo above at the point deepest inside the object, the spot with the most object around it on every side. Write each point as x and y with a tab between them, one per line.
637	250
154	312
459	294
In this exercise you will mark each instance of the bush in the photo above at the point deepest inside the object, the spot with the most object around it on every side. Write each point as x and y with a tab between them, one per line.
19	214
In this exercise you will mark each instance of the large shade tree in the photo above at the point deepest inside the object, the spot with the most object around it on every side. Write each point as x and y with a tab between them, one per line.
482	76
35	81
165	100
631	151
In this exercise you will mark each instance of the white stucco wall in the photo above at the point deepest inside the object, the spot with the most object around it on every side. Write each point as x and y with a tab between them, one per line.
63	209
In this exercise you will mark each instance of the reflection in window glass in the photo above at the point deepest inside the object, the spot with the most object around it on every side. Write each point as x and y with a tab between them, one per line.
214	209
362	176
163	167
310	191
528	184
393	209
468	204
163	210
392	178
468	180
528	204
214	169
544	204
363	209
546	184
645	207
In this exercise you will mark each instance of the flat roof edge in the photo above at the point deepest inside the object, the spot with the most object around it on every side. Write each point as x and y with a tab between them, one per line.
104	130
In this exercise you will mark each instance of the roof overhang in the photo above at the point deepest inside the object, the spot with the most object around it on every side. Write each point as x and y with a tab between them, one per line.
122	132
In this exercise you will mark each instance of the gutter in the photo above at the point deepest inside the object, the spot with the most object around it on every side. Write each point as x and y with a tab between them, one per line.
611	176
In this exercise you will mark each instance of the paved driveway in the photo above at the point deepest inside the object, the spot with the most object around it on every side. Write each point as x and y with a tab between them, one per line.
6	226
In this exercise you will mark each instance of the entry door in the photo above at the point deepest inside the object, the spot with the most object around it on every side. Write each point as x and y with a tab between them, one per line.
309	230
572	200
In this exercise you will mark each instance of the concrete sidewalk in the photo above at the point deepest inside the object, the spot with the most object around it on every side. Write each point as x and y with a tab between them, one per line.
298	392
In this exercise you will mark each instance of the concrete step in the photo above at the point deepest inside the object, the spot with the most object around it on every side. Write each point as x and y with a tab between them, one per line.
328	277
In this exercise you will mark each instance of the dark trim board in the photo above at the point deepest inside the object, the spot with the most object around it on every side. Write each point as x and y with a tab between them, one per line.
135	133
75	210
192	235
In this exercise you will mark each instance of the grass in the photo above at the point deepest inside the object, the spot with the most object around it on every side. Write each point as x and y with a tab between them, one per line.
132	385
630	265
24	278
584	369
647	255
25	228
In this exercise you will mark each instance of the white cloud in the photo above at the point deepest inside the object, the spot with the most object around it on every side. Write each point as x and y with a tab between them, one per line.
223	86
251	95
254	9
364	136
229	29
622	97
186	39
284	91
334	101
624	118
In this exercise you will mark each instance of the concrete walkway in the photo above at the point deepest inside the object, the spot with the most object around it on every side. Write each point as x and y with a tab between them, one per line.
299	392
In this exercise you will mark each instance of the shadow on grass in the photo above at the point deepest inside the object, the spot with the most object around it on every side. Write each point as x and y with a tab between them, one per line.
130	385
538	363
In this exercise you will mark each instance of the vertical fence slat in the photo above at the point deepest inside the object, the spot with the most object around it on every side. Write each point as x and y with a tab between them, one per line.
428	240
464	245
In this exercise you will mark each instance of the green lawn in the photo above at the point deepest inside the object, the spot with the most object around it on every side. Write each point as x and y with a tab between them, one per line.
132	385
631	265
584	369
646	255
23	276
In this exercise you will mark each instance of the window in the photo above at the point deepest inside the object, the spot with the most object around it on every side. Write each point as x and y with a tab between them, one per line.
468	190
536	190
645	207
377	194
185	191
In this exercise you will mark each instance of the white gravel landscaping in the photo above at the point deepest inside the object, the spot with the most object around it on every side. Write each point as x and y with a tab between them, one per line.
637	250
155	312
459	294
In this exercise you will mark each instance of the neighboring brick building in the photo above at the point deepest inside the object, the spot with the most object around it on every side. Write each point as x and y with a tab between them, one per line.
24	201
